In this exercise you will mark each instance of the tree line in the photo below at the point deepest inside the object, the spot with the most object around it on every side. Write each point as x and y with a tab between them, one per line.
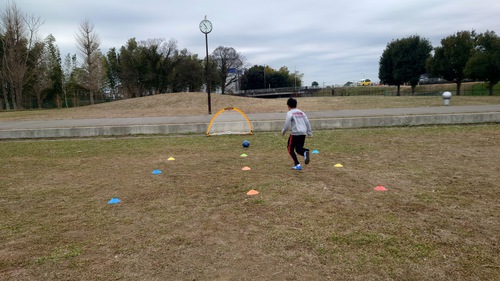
33	74
465	55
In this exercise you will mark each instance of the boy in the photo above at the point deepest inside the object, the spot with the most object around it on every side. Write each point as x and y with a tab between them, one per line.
299	126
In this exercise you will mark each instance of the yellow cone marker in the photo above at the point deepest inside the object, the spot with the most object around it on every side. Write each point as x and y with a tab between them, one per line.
338	166
171	159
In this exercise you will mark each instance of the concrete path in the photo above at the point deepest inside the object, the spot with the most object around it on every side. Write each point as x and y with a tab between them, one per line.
260	122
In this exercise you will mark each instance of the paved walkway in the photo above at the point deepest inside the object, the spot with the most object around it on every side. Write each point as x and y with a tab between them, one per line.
261	122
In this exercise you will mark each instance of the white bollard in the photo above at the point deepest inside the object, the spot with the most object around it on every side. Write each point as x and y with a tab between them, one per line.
446	98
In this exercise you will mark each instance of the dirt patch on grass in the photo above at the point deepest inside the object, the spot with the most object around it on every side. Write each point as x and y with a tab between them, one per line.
439	219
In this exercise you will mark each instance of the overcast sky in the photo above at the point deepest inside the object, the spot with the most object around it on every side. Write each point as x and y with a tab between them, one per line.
329	41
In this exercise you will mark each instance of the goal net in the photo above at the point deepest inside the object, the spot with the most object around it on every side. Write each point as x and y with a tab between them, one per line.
229	120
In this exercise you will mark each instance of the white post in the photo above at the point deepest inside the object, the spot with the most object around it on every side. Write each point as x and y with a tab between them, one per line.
446	98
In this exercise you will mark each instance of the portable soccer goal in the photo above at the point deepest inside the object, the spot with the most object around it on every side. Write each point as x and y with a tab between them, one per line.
229	120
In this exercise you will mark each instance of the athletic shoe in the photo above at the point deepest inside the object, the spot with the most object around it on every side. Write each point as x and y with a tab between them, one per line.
306	157
298	167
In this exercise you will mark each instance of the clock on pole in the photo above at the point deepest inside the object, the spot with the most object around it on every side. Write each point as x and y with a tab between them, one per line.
206	28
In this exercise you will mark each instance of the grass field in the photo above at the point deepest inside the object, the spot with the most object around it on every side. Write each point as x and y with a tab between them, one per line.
438	220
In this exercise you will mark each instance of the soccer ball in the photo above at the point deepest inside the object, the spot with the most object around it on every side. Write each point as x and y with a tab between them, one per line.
245	143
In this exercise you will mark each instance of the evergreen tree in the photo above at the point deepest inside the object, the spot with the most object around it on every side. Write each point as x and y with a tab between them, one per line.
403	61
485	61
451	57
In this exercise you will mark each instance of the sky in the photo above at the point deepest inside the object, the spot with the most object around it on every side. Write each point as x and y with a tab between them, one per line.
328	41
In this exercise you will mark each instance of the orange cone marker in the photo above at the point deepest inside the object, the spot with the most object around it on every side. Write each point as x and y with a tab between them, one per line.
252	192
380	188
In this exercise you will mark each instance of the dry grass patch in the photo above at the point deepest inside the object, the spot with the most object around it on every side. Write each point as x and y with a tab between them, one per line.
179	104
439	220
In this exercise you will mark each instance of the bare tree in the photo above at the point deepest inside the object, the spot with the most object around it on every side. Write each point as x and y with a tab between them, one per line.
88	46
69	73
40	72
229	62
3	77
167	48
19	37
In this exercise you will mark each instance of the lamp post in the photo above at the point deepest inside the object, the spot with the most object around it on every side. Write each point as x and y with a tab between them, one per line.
206	28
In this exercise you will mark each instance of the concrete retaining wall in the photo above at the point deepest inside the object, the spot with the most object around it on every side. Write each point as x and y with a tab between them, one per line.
387	121
259	126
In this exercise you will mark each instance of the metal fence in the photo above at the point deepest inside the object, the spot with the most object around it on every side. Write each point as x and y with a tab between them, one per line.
384	91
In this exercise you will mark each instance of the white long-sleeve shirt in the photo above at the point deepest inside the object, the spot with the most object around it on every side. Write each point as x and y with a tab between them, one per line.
296	121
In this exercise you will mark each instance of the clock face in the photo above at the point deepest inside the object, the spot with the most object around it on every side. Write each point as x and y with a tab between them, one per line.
205	26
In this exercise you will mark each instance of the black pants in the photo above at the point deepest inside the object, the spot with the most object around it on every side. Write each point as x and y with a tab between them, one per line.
296	144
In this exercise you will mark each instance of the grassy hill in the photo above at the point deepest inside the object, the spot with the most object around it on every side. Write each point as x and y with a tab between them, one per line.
178	104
